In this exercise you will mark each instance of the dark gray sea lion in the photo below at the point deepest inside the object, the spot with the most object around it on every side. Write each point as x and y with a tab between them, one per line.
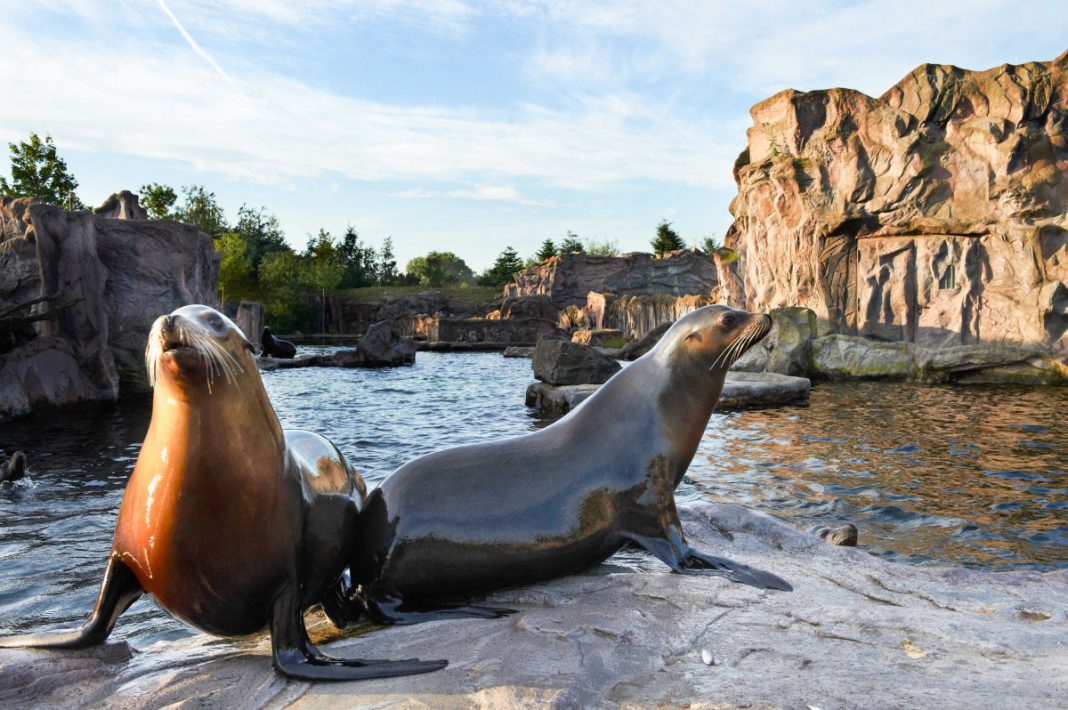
14	469
230	523
475	518
276	347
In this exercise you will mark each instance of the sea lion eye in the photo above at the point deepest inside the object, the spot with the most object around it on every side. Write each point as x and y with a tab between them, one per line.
216	322
727	320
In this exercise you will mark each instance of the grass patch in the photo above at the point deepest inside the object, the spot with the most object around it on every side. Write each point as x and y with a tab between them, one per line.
616	341
373	294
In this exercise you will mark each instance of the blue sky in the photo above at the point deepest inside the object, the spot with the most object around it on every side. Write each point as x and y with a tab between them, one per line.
460	125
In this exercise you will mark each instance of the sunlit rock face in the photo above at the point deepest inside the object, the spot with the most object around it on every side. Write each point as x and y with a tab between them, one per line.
935	214
568	279
108	278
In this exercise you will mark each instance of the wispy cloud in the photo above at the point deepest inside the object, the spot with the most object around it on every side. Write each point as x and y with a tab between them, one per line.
201	52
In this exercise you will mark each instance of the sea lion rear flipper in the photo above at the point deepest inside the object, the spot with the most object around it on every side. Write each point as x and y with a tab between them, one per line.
679	556
391	610
118	591
296	657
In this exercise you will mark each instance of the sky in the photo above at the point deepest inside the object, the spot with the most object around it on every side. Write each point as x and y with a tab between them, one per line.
461	125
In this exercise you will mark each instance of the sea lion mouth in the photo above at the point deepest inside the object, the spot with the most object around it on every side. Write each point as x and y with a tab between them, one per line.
751	334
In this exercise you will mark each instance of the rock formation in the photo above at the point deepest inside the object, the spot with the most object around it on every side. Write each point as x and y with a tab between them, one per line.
562	362
100	281
568	279
936	214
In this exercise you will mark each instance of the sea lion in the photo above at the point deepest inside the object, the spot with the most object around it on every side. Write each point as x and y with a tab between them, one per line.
230	523
479	517
276	347
14	469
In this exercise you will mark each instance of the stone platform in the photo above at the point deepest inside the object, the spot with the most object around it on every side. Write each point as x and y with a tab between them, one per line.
856	631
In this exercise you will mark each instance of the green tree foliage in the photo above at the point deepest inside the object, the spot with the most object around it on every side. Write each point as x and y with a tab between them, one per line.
359	261
572	244
387	264
508	263
158	200
709	245
667	239
38	171
440	268
201	210
547	251
236	275
602	247
283	284
261	233
322	268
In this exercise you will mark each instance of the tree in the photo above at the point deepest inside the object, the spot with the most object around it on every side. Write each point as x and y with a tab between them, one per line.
359	261
201	210
572	244
387	264
547	251
710	245
158	200
667	239
605	247
508	263
236	276
440	269
322	267
283	281
38	171
261	233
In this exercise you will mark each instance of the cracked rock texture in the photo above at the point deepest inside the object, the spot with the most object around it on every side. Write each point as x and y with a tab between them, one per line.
856	631
116	271
935	214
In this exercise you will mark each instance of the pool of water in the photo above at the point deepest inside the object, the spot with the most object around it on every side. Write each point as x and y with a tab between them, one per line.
975	476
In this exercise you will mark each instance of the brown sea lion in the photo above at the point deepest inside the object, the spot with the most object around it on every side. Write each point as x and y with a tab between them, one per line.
230	523
14	469
475	518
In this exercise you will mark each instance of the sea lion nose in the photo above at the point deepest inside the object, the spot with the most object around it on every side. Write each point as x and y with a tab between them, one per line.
168	323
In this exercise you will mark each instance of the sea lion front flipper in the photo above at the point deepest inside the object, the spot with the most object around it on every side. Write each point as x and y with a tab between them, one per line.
118	591
296	657
673	551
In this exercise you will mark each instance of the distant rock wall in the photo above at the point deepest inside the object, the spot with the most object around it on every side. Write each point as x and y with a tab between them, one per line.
116	275
568	278
936	214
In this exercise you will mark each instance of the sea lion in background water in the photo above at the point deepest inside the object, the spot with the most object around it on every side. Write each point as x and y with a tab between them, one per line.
14	469
475	518
276	347
231	524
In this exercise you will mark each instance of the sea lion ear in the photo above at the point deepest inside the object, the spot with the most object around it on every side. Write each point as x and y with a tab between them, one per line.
694	335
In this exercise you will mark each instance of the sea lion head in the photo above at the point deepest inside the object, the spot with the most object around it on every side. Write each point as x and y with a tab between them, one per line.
712	338
196	345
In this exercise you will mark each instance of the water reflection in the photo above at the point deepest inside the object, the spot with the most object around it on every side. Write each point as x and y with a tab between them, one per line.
968	475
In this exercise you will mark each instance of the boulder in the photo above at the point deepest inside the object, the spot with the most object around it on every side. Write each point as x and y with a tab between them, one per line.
379	347
936	214
633	351
122	205
535	306
557	399
248	316
568	278
847	356
857	631
105	281
560	362
791	340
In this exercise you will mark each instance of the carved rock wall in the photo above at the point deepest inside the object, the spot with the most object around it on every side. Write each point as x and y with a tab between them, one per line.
116	275
935	214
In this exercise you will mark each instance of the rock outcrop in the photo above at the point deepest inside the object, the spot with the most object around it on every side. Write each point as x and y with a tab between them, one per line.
568	278
380	346
107	280
561	362
857	631
936	214
636	315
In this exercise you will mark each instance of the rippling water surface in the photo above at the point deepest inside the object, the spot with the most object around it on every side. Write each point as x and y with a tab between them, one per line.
975	475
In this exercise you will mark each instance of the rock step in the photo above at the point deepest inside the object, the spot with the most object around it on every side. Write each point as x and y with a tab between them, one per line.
741	390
